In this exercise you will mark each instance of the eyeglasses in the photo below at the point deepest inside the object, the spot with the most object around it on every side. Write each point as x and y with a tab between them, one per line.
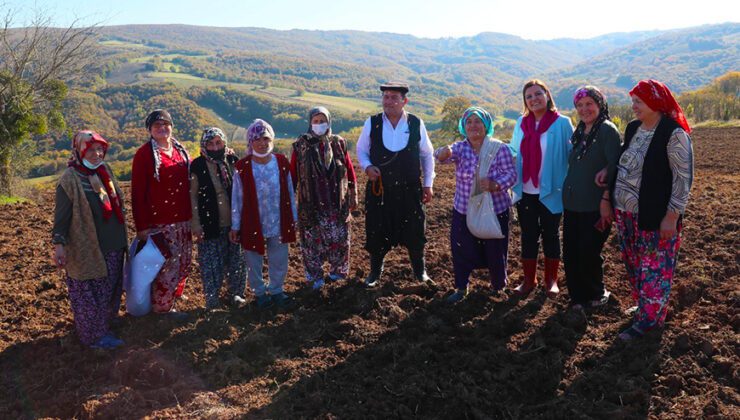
536	95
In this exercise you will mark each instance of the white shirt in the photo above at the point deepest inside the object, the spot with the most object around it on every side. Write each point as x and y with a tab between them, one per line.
528	187
395	139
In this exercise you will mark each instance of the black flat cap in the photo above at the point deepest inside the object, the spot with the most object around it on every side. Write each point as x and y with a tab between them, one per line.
397	86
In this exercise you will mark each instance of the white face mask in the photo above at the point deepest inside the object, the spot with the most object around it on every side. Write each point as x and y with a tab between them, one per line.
90	166
267	153
320	129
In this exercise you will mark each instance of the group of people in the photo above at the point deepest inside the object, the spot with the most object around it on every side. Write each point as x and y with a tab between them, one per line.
239	211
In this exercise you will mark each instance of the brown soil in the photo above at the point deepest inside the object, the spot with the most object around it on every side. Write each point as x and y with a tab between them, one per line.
398	351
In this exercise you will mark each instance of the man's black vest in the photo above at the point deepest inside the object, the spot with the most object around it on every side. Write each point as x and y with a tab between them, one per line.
396	168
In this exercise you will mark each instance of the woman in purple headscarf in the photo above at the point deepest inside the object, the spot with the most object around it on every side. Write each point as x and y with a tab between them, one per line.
588	215
263	214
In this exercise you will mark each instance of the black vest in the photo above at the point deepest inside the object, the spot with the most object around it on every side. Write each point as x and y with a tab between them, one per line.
207	203
396	168
657	177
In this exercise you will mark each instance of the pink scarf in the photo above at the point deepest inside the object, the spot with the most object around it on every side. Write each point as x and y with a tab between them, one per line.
531	148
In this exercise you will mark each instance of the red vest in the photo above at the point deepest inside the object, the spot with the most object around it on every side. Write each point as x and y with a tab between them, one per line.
251	228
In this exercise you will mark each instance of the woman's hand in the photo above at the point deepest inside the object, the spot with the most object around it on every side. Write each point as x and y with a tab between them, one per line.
489	185
668	225
198	235
142	235
600	179
443	153
60	256
607	216
234	236
352	199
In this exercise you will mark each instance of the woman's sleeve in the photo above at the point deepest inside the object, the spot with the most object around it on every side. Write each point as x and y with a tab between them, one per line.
503	170
681	161
612	150
351	175
516	139
140	179
294	168
195	221
62	217
236	201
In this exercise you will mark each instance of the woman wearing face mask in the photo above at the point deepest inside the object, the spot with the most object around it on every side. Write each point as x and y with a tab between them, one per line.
263	214
588	213
541	142
325	184
210	196
89	237
160	200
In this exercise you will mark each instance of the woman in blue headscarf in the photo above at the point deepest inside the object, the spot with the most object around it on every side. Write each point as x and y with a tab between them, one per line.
478	147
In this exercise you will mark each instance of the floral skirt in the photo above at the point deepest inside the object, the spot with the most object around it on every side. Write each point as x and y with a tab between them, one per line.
650	263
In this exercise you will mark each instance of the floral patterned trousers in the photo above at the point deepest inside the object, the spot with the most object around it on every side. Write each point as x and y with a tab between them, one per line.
650	262
327	240
170	282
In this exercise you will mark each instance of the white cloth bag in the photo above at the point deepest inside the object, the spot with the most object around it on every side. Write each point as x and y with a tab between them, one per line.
481	217
142	268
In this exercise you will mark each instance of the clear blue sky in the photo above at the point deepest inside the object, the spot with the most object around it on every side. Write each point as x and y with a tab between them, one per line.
430	18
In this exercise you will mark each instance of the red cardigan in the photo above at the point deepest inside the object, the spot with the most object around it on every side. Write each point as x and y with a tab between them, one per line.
159	202
251	229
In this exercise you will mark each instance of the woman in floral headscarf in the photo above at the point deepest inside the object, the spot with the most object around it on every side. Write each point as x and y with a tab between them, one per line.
89	237
160	200
654	176
263	214
588	215
468	251
210	196
325	179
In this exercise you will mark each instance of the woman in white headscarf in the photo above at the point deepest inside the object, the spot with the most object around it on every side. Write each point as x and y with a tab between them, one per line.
325	182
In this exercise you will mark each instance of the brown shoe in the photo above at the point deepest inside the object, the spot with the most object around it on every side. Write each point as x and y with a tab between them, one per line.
530	277
551	277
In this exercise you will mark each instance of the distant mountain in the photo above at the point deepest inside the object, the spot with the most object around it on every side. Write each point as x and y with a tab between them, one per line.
489	67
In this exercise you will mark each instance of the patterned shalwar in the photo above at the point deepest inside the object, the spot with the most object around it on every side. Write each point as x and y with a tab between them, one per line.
650	262
170	282
219	258
328	240
95	302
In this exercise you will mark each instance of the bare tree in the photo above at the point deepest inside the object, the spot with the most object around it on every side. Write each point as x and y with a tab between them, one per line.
37	61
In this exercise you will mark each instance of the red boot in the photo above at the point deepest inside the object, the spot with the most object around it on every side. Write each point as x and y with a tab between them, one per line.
530	277
551	277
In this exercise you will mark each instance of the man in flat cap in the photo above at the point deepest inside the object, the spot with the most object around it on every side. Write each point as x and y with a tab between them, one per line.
395	151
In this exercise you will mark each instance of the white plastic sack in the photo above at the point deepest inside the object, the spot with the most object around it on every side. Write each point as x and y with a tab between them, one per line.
142	268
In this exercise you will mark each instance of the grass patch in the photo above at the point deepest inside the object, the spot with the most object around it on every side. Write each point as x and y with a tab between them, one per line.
4	199
718	124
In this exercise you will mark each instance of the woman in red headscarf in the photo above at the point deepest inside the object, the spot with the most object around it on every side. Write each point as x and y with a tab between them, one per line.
89	237
654	176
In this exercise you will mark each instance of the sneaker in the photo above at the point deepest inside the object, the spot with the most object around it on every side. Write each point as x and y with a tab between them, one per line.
108	342
333	277
459	295
177	316
264	301
630	334
282	300
603	300
631	311
424	278
238	301
317	284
